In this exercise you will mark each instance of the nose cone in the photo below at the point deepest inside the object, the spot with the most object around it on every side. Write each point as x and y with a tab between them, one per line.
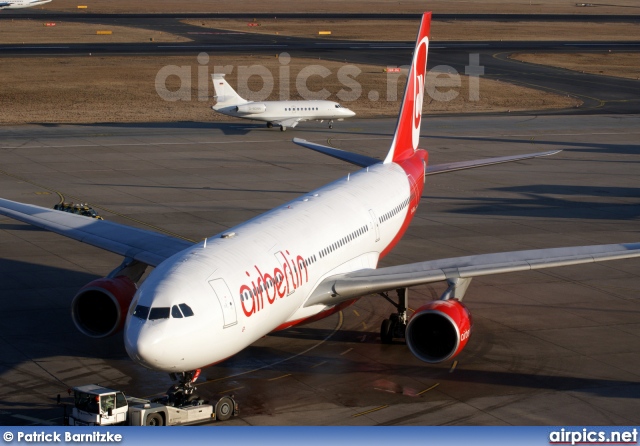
144	344
349	113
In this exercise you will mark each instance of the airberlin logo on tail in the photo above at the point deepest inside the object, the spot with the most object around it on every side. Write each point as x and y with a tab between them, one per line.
419	70
266	288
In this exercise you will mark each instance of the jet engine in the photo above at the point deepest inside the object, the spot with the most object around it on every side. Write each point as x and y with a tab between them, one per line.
439	330
100	307
250	109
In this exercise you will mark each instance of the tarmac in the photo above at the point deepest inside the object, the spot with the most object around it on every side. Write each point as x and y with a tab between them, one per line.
553	347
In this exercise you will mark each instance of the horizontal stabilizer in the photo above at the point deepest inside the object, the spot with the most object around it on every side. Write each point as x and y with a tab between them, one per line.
462	165
353	158
342	287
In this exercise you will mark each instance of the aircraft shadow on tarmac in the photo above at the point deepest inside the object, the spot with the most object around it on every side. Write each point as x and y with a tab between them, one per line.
276	362
550	201
586	147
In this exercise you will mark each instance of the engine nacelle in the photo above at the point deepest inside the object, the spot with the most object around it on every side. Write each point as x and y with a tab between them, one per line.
100	307
439	330
251	108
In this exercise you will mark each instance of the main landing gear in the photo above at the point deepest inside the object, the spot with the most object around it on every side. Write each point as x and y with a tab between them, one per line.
331	124
395	326
282	128
269	125
183	393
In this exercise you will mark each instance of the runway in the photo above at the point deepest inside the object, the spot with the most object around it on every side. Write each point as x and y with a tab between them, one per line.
558	347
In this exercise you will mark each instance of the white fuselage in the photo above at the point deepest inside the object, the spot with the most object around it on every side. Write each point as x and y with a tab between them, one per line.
277	111
18	4
341	227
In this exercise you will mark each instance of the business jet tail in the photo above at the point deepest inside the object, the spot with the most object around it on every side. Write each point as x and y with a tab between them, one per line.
225	95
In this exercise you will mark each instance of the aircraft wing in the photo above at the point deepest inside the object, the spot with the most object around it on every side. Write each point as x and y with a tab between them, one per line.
148	247
292	122
5	4
343	287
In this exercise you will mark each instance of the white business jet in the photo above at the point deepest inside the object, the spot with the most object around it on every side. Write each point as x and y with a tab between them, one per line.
18	4
281	113
304	260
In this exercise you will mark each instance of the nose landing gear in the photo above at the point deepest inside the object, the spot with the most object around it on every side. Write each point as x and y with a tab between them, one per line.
183	393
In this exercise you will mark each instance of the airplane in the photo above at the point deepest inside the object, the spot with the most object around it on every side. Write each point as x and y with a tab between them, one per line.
302	261
18	4
281	113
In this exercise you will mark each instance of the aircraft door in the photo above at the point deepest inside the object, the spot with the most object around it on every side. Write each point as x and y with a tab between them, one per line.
225	299
374	223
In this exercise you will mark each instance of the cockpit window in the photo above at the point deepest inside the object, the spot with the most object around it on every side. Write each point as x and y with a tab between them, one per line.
159	313
141	312
175	312
186	310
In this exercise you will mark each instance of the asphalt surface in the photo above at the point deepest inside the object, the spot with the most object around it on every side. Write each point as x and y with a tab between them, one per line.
553	347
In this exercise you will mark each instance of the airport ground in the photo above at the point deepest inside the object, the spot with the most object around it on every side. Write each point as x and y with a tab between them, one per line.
558	347
351	6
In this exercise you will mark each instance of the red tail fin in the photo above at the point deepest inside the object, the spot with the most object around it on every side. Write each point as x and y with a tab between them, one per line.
407	136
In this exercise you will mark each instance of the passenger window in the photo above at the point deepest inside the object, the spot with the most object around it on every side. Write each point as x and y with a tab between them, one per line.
141	312
186	310
175	312
159	313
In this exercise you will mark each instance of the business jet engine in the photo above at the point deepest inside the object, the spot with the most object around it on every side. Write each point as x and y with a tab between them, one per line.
100	307
251	109
439	330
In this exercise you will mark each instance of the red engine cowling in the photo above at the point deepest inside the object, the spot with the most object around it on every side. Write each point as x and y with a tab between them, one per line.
100	307
439	330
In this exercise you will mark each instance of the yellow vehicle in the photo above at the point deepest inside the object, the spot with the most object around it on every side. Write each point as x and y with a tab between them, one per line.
78	208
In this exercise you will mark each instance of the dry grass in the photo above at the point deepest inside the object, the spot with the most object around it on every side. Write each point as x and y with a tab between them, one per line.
122	89
610	64
337	6
404	30
34	31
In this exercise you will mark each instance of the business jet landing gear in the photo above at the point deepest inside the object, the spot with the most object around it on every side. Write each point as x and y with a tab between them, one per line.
269	125
395	326
283	128
183	393
331	124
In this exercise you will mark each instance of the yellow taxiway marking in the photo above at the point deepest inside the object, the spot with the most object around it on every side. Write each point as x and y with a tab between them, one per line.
369	411
279	377
318	364
453	366
356	313
346	351
430	388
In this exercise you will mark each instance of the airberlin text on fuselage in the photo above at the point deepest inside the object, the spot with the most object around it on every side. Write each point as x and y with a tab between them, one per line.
266	288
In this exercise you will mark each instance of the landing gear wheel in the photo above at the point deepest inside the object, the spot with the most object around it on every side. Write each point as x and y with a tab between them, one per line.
282	128
330	126
269	125
386	331
224	409
154	419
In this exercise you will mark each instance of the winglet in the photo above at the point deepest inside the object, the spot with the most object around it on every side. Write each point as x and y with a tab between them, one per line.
407	135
